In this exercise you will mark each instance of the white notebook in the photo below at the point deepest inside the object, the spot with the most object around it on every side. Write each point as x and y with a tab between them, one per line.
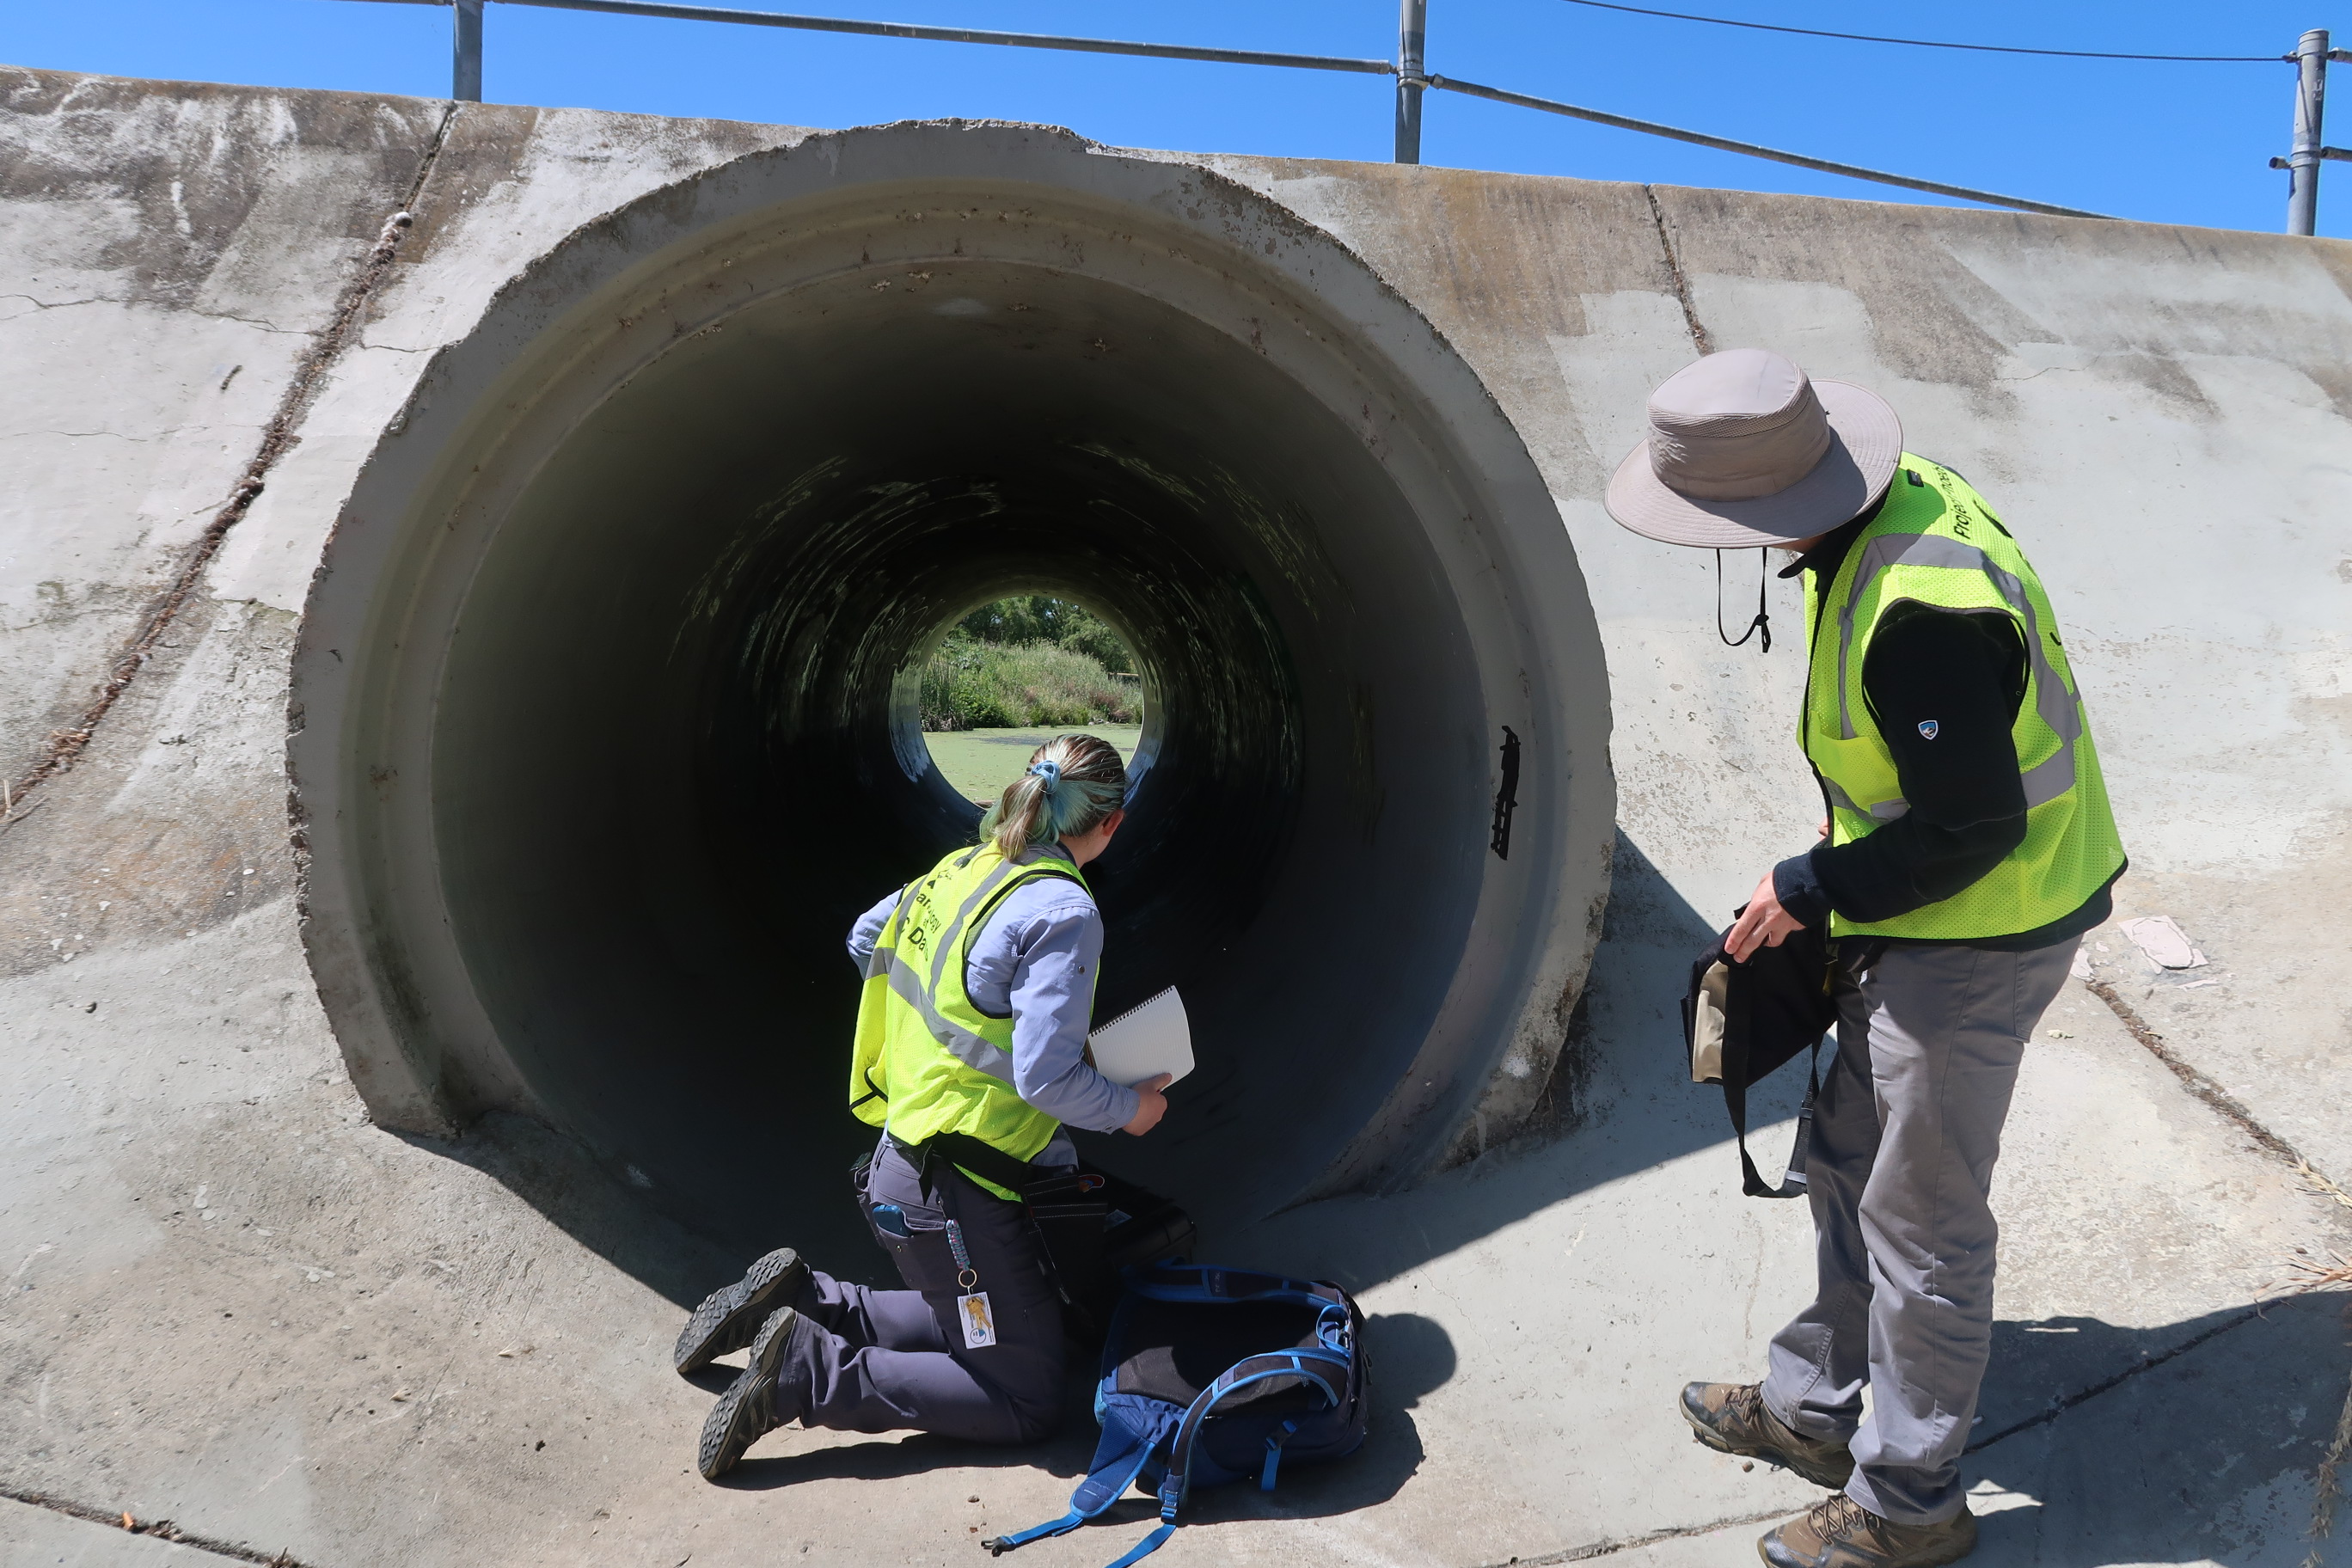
1145	1041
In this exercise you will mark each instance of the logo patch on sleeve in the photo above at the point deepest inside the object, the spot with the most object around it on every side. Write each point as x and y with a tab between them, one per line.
1928	728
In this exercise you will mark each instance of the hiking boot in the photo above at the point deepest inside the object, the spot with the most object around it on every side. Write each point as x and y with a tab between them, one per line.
754	1405
1730	1417
726	1320
1838	1532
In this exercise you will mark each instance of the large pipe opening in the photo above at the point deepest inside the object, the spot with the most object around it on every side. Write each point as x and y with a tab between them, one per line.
620	735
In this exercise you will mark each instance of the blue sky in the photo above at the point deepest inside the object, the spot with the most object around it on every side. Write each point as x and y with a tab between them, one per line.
2179	144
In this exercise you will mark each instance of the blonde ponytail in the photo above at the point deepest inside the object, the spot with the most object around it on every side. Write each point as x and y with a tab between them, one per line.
1072	782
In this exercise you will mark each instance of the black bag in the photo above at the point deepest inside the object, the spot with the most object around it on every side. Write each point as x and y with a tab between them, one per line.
1744	1021
1089	1223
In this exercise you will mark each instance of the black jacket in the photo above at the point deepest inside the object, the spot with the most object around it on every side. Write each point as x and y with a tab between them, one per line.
1961	675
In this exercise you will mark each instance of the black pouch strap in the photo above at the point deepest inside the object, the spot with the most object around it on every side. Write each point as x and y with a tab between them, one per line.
1735	1096
1735	1036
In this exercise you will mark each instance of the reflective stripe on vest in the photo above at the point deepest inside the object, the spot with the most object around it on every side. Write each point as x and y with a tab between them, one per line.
917	990
2055	696
1934	542
926	1059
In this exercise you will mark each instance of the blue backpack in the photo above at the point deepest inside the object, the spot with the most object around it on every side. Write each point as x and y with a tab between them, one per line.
1212	1376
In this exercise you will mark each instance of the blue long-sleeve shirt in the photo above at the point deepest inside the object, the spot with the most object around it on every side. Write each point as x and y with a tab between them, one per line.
1034	957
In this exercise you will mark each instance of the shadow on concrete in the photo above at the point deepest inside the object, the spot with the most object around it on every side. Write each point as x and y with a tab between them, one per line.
555	1174
1619	1076
2188	1442
1619	1102
1410	1356
2105	1443
890	1457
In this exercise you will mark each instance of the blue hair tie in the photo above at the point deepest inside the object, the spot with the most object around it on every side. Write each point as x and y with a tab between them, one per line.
1051	772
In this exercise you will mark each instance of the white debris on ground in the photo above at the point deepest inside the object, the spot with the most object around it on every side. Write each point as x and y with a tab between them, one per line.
2162	940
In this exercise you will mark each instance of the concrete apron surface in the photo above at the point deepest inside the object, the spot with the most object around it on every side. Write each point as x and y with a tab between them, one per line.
234	1305
237	1306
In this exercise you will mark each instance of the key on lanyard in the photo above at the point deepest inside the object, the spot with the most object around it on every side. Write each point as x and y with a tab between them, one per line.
972	1307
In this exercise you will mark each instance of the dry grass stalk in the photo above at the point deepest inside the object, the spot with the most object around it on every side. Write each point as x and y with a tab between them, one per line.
2318	1275
2321	1184
2324	1500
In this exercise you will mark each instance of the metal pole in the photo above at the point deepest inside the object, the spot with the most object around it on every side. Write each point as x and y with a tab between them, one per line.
2303	161
465	61
1412	25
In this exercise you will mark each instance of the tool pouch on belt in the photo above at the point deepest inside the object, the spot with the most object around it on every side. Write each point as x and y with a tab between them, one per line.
1089	1224
1744	1021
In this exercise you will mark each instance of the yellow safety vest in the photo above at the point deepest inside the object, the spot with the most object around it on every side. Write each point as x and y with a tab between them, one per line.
1936	543
926	1059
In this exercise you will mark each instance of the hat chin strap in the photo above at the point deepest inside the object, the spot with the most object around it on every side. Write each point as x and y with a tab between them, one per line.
1763	622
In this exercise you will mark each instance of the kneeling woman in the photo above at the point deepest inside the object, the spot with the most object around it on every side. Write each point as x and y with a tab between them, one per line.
979	981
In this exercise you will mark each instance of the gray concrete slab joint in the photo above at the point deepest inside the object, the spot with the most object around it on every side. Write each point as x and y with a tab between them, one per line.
2215	1096
152	1529
64	746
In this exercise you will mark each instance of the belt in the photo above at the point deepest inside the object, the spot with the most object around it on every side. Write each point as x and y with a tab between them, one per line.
972	1155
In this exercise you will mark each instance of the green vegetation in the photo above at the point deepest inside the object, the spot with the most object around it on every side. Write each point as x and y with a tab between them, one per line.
1031	661
979	764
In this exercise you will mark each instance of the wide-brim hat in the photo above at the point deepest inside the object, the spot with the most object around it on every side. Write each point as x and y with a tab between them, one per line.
1745	449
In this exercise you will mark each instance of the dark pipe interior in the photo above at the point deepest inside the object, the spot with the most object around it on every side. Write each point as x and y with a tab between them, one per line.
675	757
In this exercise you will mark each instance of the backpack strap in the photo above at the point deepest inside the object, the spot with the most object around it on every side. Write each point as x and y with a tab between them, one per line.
1313	1367
1274	1455
1153	1541
1134	1430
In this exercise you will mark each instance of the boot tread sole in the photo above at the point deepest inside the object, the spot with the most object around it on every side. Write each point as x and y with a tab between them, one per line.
730	1317
721	1447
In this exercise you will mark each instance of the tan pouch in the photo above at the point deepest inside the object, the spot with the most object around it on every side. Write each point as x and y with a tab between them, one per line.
1706	1031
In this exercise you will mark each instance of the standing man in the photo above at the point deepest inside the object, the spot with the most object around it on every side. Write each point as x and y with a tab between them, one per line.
1968	846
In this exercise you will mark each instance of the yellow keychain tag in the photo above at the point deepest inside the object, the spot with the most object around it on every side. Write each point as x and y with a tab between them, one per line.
979	1323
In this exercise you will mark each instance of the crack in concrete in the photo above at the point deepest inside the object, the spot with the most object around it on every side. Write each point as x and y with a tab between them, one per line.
40	304
1586	1553
160	1528
67	744
2205	1089
267	326
1699	340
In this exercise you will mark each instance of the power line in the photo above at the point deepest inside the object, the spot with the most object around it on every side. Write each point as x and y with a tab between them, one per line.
1700	138
1934	44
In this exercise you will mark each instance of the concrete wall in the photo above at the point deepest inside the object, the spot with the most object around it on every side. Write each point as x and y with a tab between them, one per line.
2160	414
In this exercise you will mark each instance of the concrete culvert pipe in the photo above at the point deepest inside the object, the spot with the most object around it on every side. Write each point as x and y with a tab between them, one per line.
603	729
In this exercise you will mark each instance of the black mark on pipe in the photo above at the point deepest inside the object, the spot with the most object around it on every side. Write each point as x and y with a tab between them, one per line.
1507	799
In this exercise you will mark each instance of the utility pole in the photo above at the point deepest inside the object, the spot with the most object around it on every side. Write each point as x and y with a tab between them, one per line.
2303	161
1413	26
465	61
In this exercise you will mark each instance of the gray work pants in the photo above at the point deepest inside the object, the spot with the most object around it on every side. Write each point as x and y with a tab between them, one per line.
1904	1134
885	1360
